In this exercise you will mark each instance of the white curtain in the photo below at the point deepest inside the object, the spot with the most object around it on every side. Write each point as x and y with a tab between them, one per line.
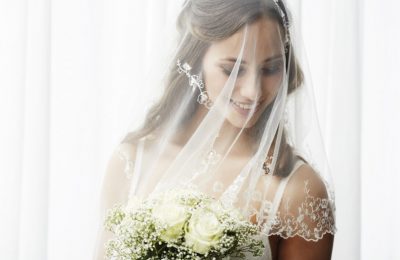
69	78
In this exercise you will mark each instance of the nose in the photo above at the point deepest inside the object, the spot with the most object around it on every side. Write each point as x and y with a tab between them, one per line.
250	86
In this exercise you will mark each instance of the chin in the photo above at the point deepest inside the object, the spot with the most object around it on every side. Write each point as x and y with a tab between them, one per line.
240	122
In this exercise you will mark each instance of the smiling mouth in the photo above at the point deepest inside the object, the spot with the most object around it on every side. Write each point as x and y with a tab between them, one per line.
244	108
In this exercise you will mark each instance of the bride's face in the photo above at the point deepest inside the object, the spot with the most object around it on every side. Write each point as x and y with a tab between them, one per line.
260	70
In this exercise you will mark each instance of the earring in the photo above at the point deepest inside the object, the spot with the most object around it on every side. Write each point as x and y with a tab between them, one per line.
267	165
195	82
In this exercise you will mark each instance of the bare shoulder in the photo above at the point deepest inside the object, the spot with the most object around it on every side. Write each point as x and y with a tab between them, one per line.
307	181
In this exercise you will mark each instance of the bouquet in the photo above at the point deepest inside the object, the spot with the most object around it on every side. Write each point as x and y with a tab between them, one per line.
179	224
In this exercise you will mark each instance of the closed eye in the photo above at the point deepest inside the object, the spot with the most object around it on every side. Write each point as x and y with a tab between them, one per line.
271	70
227	71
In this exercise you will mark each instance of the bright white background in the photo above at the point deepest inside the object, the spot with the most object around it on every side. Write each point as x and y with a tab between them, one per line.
68	86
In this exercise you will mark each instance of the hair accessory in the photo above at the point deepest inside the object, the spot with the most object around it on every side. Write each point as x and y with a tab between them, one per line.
286	23
195	82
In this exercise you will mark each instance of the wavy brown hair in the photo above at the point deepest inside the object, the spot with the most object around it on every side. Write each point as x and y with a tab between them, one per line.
200	23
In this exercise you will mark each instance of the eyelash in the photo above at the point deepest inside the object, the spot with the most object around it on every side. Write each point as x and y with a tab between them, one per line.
271	70
265	71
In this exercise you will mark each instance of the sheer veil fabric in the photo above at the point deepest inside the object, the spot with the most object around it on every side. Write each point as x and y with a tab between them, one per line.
236	120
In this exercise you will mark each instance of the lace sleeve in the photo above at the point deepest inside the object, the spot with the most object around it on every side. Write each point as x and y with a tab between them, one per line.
307	208
126	156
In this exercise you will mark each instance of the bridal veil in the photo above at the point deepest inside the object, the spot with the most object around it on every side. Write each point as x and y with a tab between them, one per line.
234	118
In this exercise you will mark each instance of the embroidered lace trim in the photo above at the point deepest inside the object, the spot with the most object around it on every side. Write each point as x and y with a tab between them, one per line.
129	163
314	218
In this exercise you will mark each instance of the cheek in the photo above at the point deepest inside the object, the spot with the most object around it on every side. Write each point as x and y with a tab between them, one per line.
271	86
214	82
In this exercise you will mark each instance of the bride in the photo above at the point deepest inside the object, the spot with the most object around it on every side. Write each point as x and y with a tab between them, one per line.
235	121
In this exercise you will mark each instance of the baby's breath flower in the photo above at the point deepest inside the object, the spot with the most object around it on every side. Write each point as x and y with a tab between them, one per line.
179	224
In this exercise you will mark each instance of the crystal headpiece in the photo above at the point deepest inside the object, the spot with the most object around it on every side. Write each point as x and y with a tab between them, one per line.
280	7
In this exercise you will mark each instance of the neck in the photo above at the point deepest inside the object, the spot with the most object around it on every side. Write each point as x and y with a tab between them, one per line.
226	135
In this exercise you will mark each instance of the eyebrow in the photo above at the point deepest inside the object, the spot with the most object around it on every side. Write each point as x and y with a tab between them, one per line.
233	60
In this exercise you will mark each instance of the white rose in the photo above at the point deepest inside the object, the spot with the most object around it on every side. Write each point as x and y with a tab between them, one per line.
203	232
174	216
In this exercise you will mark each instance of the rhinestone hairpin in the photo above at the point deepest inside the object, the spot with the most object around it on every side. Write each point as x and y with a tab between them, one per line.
196	83
286	24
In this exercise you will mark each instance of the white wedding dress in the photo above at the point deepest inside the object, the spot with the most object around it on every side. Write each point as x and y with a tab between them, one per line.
307	213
